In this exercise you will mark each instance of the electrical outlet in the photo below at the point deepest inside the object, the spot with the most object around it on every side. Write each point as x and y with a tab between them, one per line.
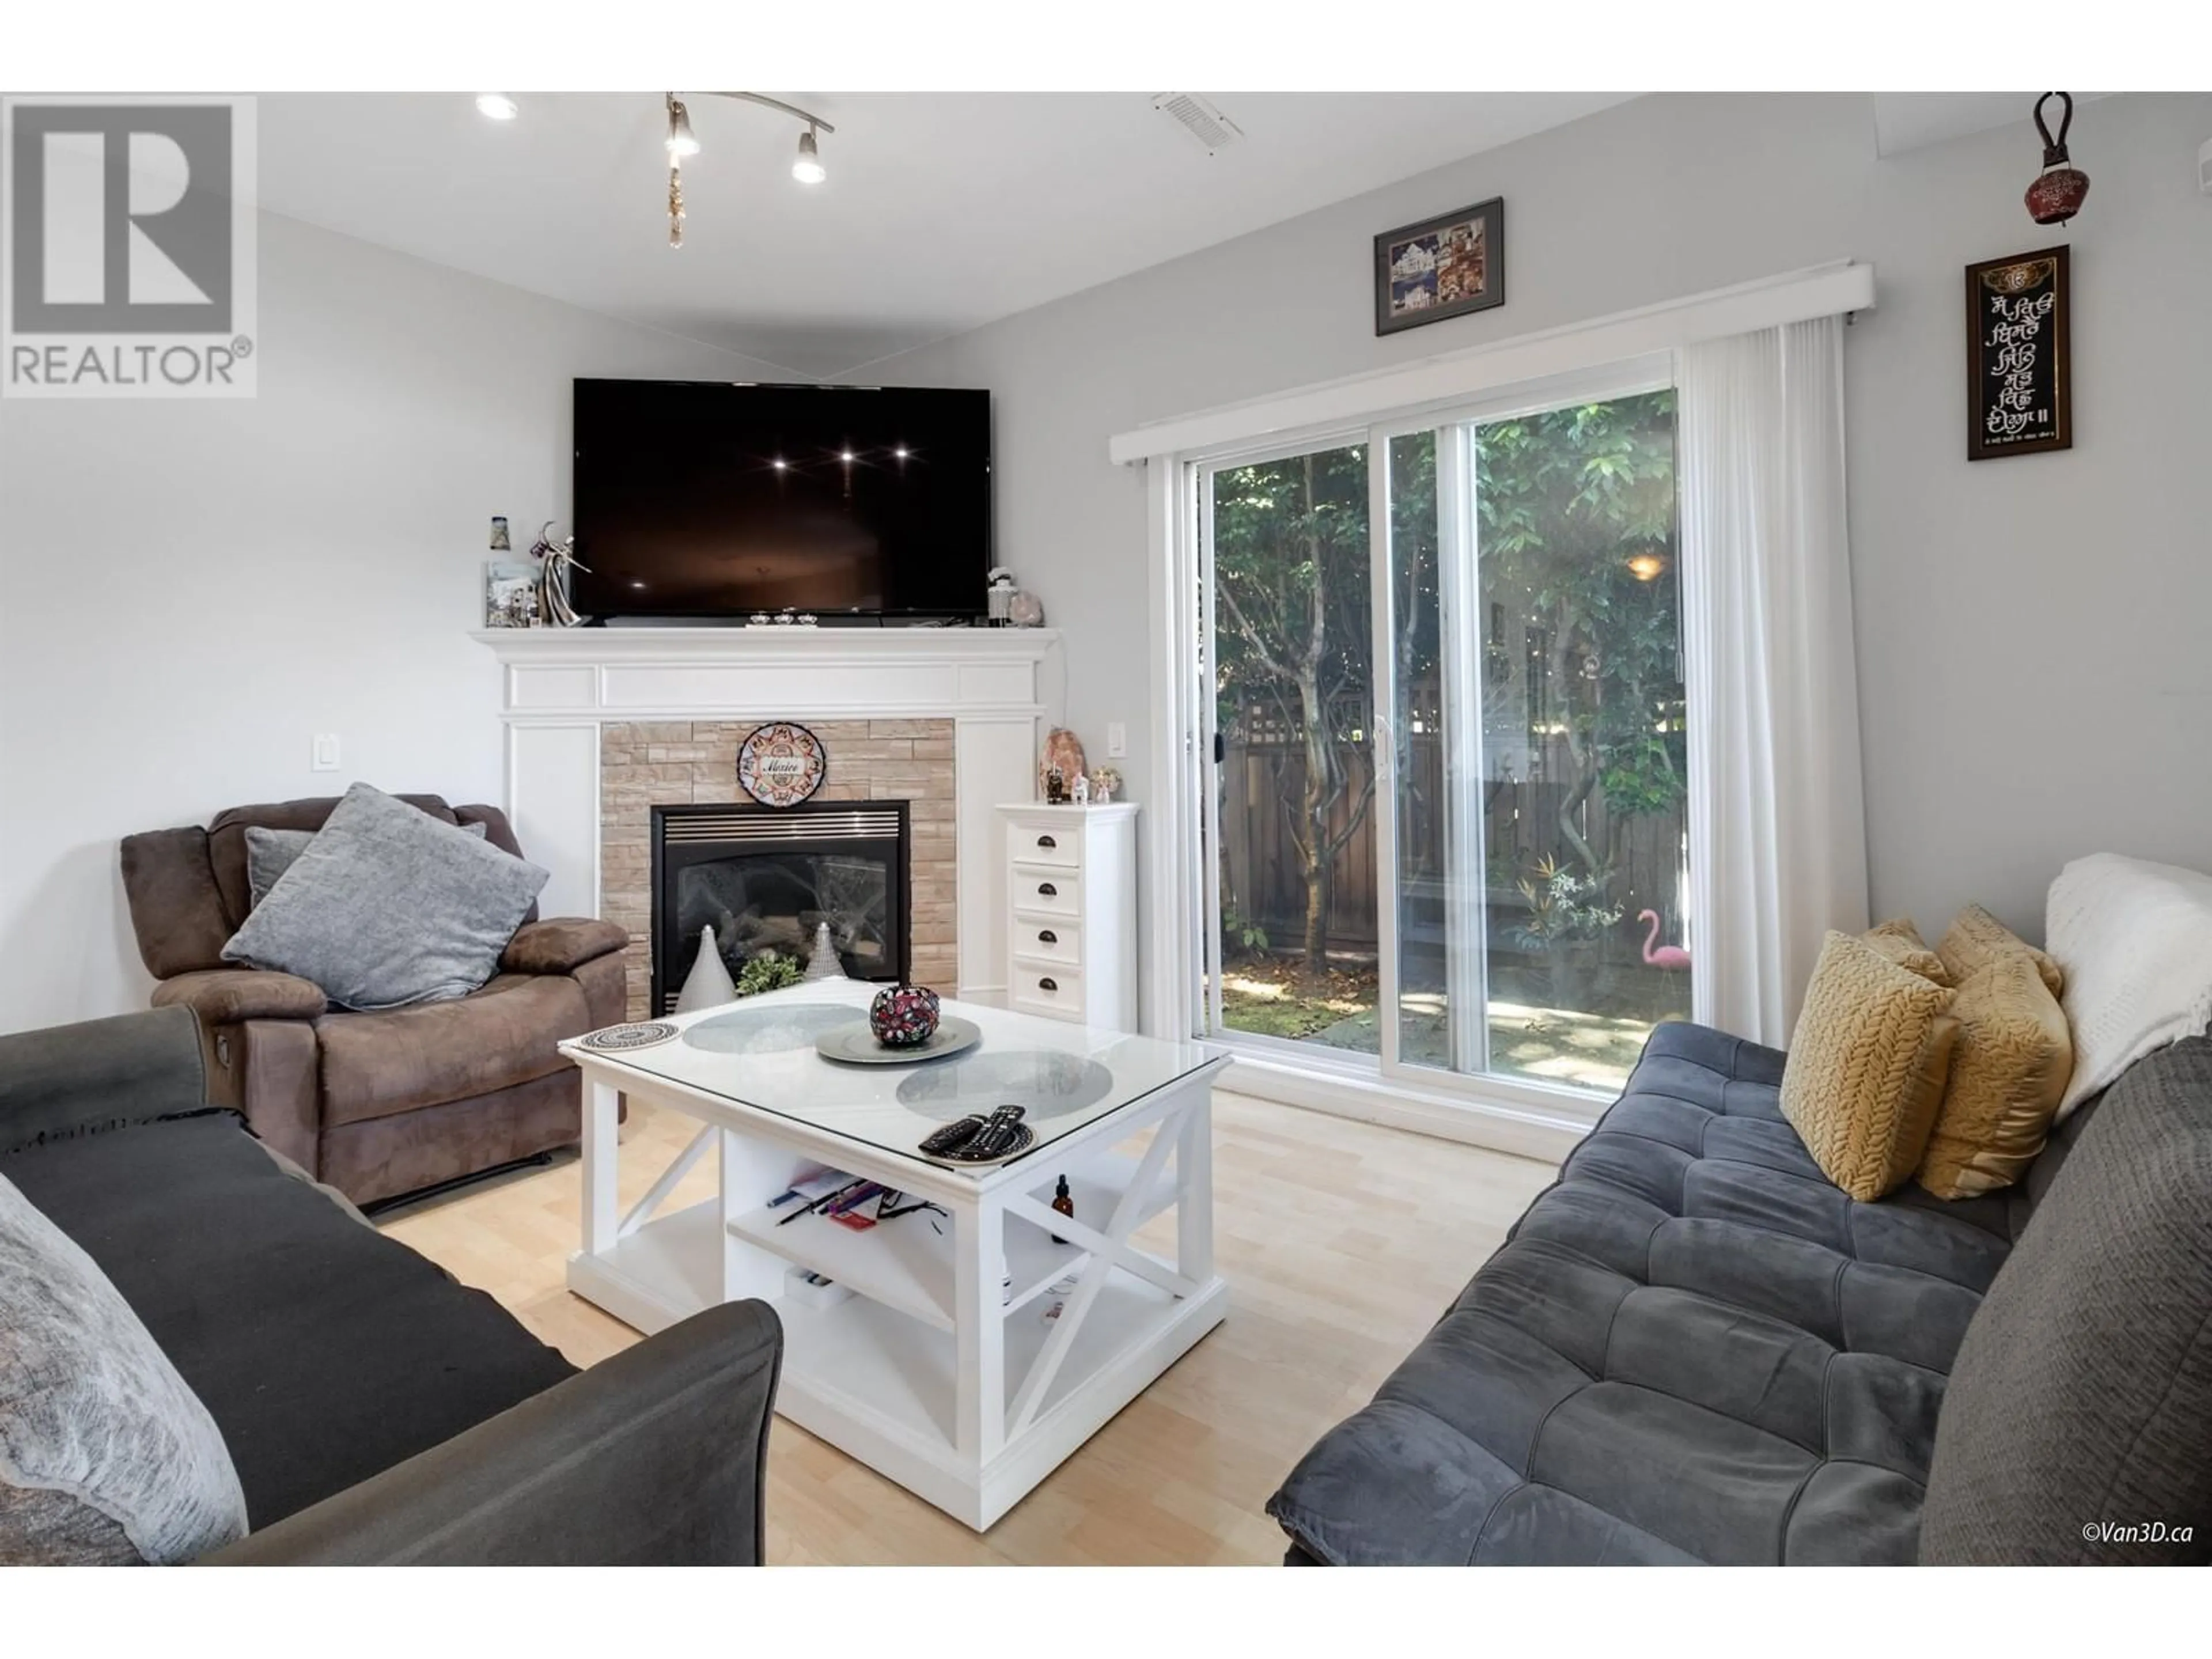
324	756
1117	740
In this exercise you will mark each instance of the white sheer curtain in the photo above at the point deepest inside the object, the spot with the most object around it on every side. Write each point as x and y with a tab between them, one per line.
1778	821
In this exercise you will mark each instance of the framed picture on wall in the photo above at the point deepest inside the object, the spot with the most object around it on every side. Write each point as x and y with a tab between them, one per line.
2019	367
1443	267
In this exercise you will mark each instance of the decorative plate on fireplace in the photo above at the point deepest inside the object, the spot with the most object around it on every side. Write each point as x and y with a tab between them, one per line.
781	764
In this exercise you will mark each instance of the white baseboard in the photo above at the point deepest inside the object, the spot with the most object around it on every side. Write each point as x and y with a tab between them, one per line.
1523	1129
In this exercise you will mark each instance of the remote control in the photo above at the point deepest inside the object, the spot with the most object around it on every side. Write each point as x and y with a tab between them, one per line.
996	1137
951	1135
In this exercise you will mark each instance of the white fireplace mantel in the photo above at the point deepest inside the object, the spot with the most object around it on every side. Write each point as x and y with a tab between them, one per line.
999	687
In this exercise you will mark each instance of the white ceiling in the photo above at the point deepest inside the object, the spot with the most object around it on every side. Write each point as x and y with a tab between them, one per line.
1912	120
942	211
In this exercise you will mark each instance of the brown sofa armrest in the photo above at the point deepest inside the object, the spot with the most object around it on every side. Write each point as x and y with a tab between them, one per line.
224	996
561	945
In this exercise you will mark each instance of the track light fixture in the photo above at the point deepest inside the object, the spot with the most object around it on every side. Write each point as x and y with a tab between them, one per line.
681	143
808	168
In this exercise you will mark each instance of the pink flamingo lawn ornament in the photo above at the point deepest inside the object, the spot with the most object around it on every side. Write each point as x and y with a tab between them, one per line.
1670	958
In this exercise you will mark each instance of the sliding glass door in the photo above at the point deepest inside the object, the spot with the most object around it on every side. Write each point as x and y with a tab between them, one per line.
1294	782
1490	879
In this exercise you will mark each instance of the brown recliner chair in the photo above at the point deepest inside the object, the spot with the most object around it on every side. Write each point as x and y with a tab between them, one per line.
375	1104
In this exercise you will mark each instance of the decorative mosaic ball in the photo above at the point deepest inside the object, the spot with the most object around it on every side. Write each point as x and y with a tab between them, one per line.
903	1015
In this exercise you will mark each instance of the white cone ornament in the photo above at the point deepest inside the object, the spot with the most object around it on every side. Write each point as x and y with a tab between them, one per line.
824	963
708	984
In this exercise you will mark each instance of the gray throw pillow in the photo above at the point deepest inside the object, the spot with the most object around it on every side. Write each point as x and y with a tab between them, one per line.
387	906
2072	1429
107	1456
270	853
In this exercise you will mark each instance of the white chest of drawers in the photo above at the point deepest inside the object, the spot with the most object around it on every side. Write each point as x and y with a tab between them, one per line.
1071	913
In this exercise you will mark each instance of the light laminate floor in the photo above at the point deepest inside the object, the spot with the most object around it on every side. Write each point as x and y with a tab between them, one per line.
1341	1242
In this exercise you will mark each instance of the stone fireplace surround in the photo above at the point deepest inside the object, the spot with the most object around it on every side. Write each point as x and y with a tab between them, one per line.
649	764
584	710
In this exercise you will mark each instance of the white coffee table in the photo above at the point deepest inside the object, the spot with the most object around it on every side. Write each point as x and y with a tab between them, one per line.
934	1372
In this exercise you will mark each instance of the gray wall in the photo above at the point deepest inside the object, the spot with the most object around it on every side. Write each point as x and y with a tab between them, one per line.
2034	677
189	590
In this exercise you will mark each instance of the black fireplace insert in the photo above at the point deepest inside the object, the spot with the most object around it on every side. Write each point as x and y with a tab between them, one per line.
765	878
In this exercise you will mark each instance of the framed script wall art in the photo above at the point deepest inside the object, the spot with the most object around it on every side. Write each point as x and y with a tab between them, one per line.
2019	371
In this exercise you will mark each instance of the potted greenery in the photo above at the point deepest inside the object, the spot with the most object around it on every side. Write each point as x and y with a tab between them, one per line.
767	971
1569	917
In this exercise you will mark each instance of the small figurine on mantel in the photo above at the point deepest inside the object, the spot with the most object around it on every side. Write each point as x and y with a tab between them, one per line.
555	559
1063	753
1082	790
1103	782
1055	786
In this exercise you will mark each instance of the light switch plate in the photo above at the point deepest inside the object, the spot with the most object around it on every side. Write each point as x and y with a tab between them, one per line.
326	755
1117	740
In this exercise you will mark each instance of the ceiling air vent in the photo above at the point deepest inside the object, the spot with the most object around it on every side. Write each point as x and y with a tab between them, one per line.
1208	127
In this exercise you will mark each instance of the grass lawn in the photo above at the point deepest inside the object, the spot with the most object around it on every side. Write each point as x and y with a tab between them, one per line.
1270	997
1273	998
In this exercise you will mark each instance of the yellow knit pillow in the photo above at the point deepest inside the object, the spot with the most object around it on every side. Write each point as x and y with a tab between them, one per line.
1901	943
1976	937
1866	1067
2008	1070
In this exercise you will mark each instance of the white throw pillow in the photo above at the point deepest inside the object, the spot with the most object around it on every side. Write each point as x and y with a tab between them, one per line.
105	1453
2134	940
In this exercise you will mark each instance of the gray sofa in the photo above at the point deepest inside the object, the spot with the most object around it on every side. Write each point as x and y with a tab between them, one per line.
376	1410
1694	1348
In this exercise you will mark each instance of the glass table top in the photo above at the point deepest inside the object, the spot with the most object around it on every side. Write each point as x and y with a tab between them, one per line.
760	1053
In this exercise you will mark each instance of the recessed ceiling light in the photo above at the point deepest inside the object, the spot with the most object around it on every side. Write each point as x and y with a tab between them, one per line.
900	452
497	106
846	456
778	463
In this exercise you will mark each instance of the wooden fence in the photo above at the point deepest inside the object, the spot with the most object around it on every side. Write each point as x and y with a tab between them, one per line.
1263	785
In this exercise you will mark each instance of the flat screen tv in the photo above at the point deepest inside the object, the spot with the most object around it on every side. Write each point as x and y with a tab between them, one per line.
699	498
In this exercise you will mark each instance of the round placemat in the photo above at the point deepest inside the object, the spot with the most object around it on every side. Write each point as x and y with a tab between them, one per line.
854	1044
613	1039
769	1030
1043	1083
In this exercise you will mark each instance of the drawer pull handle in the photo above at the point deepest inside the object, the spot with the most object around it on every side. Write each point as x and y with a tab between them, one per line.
1048	985
1046	936
1048	890
1047	841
